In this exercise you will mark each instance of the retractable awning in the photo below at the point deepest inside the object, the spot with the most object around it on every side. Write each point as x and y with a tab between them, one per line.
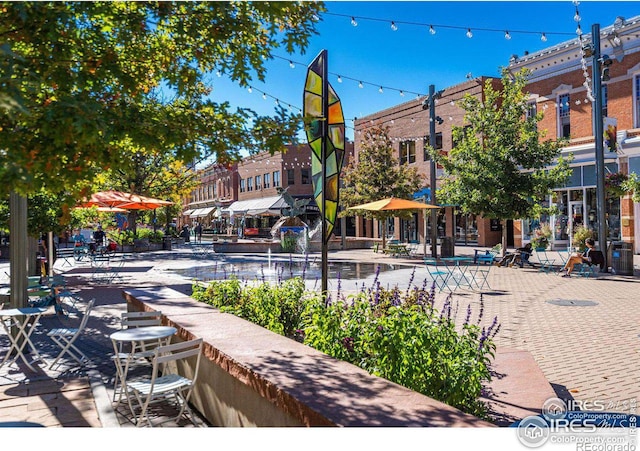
187	212
256	207
202	212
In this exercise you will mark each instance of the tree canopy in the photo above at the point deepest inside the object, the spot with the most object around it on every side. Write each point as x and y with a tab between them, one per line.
376	175
500	167
85	86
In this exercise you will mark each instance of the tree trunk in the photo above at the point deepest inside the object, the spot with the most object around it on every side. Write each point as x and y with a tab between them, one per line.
503	231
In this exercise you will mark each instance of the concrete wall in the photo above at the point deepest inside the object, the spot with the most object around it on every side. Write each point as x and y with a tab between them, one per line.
252	377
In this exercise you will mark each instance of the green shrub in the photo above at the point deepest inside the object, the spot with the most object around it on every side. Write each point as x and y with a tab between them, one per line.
124	237
394	334
153	237
579	237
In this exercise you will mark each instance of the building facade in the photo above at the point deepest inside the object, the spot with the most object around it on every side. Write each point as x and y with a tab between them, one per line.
246	198
217	188
408	127
560	86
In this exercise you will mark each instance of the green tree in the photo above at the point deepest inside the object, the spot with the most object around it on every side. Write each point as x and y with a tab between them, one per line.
500	167
82	81
377	175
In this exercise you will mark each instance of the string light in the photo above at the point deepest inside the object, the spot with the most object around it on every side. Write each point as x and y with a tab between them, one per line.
339	79
291	65
360	85
543	37
249	89
401	93
380	90
395	23
469	34
507	36
264	96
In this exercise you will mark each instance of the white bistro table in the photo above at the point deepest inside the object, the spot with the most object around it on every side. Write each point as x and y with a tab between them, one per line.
25	320
142	341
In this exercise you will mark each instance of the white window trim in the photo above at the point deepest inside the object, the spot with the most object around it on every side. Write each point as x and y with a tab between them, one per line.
634	72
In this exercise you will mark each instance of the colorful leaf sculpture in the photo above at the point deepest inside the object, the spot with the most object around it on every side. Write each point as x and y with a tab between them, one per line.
331	138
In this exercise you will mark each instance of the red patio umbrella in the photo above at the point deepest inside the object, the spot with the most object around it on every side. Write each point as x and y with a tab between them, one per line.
128	201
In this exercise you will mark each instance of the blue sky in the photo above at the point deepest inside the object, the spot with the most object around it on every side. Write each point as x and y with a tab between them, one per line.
410	58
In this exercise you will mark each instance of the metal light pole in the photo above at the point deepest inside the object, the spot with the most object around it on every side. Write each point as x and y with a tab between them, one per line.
432	171
599	145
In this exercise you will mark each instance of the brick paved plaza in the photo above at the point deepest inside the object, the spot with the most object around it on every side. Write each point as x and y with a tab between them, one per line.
588	353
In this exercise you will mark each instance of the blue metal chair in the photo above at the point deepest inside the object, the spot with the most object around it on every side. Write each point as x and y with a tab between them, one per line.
438	275
546	263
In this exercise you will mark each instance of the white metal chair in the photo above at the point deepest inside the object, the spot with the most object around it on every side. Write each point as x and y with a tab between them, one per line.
133	358
66	336
170	385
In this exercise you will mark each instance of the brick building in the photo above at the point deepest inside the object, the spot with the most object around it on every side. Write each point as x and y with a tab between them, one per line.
248	193
558	86
408	125
217	189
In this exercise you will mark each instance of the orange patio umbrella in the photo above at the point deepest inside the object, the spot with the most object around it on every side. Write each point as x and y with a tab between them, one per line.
393	203
128	201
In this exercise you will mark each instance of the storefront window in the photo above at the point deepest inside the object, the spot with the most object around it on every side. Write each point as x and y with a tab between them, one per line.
466	228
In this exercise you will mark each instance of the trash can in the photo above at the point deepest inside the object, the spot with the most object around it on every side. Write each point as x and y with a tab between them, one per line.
166	243
621	258
447	247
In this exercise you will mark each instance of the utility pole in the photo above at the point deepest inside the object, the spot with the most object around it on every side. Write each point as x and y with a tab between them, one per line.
599	144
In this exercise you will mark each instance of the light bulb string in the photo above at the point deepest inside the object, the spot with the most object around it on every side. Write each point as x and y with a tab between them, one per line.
359	80
453	27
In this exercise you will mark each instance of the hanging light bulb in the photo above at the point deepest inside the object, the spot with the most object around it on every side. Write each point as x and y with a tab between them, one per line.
507	35
339	79
432	30
360	84
394	27
353	22
250	89
380	90
616	40
264	96
401	93
578	102
291	65
579	30
277	102
577	17
469	34
219	74
543	38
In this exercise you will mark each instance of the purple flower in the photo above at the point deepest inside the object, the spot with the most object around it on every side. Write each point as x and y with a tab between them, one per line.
348	343
466	321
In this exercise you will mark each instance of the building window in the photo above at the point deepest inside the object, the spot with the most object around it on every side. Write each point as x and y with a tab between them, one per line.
250	184
291	177
305	174
427	143
605	97
267	180
532	109
242	186
636	103
258	182
407	152
276	179
564	116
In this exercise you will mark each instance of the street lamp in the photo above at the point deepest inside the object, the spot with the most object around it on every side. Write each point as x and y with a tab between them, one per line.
430	103
598	132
